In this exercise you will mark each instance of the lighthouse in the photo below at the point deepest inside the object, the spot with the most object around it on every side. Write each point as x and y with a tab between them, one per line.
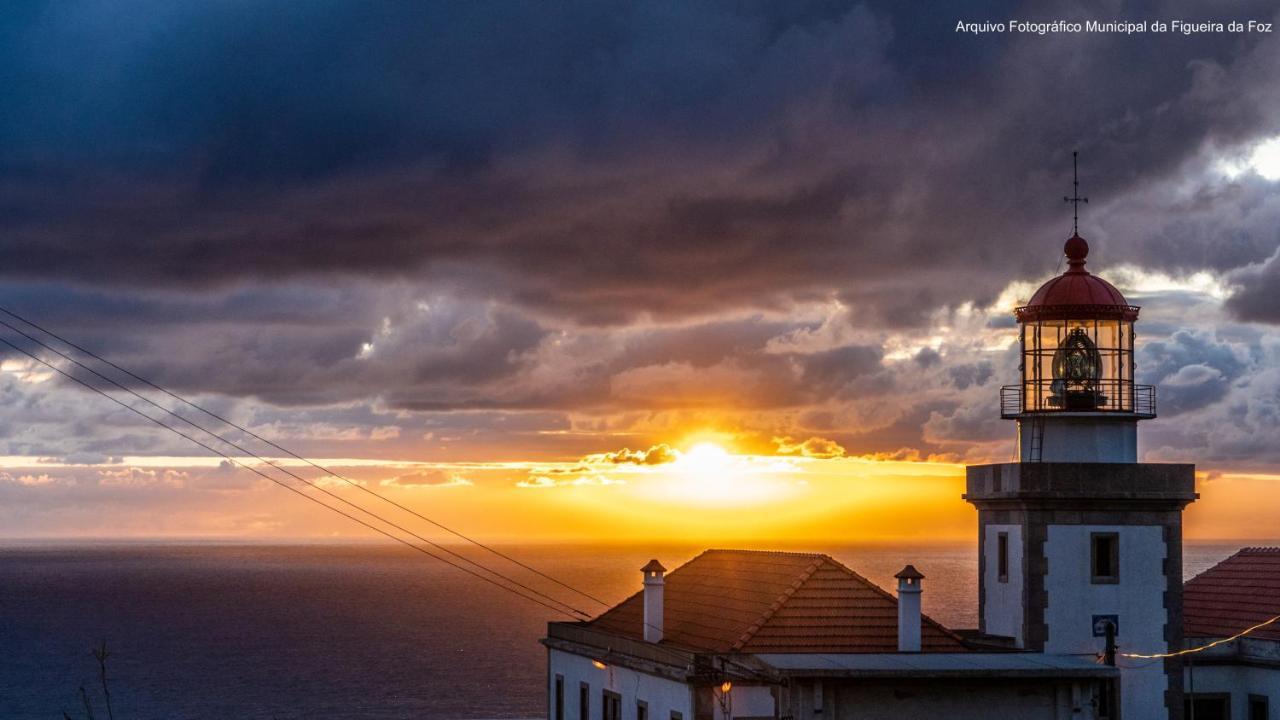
1077	539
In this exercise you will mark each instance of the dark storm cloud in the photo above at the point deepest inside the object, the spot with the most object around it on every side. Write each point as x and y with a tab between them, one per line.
379	226
831	371
589	160
1257	295
1192	369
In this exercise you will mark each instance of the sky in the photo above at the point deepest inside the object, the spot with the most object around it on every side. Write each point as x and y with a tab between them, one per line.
617	271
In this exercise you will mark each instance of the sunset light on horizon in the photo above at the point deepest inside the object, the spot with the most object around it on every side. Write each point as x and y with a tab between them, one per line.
603	360
692	464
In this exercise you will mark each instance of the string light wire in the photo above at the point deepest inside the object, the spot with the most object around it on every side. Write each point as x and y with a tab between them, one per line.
1202	648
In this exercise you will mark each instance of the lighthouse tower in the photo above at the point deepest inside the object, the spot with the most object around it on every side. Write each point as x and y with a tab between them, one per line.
1078	534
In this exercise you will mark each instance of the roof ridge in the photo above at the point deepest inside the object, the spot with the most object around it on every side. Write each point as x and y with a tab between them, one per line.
1211	574
923	618
786	553
779	602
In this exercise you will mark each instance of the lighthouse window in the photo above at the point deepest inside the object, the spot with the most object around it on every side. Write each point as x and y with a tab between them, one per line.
1002	556
1105	557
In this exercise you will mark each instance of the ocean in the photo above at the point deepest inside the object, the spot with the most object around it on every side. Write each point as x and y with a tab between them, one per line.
220	631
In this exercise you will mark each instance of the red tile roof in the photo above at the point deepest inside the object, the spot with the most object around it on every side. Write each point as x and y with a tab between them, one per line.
754	601
1233	595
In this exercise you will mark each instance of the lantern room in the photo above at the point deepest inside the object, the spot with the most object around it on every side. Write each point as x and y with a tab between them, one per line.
1077	347
1077	400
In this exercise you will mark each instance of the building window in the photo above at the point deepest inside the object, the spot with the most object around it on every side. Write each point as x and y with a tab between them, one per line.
584	701
1105	557
1209	706
675	715
610	705
1106	700
1258	708
559	699
642	710
1002	556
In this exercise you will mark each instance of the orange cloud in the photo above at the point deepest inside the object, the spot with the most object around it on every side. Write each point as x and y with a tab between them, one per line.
814	447
542	481
427	478
659	454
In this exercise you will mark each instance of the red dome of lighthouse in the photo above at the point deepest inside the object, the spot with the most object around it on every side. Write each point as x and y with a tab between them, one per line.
1076	294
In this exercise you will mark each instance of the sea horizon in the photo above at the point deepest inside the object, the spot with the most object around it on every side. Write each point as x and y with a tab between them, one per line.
277	630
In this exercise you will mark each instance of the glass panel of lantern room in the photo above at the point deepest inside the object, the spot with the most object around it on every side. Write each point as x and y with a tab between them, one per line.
1126	362
1030	337
1022	367
1106	338
1038	343
1033	360
1050	334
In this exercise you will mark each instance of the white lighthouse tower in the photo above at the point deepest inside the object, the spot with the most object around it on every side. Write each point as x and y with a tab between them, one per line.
1078	534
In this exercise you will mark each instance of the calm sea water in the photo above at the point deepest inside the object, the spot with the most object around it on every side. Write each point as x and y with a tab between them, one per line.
353	631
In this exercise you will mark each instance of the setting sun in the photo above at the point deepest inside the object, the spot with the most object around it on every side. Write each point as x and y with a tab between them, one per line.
705	459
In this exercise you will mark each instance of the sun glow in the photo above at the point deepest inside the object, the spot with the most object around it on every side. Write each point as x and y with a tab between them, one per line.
704	459
709	474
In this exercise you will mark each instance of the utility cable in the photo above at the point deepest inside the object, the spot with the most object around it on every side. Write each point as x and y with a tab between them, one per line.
1206	646
282	449
571	612
288	472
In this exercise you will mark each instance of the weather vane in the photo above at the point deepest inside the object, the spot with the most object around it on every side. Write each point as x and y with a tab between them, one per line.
1076	199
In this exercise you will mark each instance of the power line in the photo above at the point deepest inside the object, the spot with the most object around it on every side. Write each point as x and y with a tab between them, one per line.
571	612
1202	648
285	450
290	473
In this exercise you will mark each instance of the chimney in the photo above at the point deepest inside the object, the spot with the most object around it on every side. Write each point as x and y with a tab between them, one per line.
653	587
909	609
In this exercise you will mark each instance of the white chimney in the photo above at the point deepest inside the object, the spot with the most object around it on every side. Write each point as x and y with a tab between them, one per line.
909	609
653	588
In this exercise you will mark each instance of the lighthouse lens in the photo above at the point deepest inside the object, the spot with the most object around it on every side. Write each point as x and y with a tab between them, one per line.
1077	369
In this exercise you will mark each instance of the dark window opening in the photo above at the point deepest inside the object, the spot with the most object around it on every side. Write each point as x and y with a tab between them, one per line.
559	700
1002	556
642	710
610	705
1259	708
1105	557
675	715
584	701
1208	707
1107	704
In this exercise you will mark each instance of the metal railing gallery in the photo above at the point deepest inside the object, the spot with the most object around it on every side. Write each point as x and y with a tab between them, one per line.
1106	397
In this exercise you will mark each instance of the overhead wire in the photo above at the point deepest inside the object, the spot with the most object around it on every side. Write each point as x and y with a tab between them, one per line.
1206	646
267	441
290	473
566	609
